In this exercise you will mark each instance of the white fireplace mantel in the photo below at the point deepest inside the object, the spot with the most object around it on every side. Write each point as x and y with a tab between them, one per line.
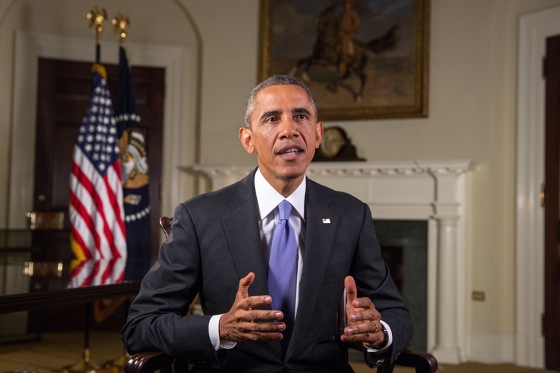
435	191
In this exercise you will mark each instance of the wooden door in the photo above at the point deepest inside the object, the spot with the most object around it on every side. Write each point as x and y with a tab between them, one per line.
552	205
64	91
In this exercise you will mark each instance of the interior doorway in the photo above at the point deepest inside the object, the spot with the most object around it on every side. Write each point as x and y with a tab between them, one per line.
534	29
551	203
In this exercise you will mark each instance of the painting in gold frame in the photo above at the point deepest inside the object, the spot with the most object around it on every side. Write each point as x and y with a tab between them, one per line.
382	73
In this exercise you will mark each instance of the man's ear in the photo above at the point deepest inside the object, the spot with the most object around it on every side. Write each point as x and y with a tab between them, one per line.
246	138
319	131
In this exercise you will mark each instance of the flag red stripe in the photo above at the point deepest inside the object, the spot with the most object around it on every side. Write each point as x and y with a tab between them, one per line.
118	211
75	280
84	229
107	274
80	208
101	206
108	233
117	207
79	234
98	272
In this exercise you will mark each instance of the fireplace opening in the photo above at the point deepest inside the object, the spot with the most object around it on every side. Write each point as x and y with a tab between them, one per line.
393	257
404	248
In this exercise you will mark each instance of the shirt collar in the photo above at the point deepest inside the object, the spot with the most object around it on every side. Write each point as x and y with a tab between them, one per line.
268	198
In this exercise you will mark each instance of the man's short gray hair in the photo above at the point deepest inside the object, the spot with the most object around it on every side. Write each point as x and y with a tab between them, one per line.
272	81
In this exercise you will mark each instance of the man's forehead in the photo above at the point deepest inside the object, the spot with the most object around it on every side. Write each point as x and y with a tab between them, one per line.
283	93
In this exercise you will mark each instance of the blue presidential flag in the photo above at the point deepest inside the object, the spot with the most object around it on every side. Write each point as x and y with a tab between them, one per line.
136	197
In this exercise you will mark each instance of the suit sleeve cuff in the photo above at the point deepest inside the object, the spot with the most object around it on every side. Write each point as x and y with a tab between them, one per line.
214	333
389	340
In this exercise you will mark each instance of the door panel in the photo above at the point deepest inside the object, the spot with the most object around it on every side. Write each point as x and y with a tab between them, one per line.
66	134
552	205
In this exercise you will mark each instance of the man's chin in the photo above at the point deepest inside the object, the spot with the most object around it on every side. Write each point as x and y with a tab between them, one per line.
293	172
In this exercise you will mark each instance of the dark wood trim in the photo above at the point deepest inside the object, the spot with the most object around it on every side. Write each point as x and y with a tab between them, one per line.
65	297
552	200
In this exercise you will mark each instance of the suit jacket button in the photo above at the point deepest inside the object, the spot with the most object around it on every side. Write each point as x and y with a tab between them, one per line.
288	366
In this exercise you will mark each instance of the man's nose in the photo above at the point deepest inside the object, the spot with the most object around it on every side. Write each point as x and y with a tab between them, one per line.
288	128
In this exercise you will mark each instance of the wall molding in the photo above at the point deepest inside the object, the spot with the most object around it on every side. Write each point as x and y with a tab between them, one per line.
492	348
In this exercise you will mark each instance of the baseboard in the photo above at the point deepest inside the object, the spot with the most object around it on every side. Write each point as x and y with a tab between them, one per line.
492	348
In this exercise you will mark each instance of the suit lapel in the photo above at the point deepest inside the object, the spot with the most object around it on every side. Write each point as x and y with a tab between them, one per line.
242	233
318	245
244	240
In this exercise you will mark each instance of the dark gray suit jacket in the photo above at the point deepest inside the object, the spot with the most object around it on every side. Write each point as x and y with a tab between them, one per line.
215	240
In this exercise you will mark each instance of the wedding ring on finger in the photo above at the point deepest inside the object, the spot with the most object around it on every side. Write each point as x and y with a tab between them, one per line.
376	327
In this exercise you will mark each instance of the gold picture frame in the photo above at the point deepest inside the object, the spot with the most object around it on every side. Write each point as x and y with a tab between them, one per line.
302	38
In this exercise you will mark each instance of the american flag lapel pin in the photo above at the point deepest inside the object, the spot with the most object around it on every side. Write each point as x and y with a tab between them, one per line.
326	221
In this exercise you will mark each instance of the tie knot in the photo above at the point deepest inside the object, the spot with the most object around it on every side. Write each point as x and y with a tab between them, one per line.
284	209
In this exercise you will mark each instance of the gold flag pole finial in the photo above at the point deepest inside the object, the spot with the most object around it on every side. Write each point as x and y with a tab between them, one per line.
120	23
95	17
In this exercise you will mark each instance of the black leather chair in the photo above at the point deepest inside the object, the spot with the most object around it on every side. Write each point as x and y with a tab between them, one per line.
151	361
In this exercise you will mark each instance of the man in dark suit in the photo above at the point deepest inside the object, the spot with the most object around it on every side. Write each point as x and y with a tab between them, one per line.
221	243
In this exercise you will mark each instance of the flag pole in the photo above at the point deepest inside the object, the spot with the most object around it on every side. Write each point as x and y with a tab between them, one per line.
95	18
120	24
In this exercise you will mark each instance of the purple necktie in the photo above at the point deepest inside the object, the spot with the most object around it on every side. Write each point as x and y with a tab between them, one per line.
282	269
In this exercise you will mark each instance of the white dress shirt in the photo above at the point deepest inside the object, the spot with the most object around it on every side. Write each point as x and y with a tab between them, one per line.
268	200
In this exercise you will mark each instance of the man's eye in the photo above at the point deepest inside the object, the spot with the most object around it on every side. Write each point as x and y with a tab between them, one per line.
271	119
301	117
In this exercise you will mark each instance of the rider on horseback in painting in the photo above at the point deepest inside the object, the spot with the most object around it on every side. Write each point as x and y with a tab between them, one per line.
335	49
349	22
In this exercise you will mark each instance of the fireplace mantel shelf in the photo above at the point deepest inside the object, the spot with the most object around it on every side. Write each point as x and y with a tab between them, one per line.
357	168
432	190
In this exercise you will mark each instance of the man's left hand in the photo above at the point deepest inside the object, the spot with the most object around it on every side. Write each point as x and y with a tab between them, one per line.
364	321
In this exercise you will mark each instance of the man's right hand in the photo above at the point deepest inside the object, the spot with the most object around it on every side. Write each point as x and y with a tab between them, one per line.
242	323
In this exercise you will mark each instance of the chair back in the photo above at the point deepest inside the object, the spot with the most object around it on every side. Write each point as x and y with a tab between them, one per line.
165	224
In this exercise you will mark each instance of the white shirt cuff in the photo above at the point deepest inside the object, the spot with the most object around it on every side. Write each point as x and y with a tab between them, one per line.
214	333
389	337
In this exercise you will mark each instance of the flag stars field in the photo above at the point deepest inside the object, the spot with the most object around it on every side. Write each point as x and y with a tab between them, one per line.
102	131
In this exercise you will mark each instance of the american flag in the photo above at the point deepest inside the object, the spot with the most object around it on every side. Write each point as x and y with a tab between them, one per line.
96	196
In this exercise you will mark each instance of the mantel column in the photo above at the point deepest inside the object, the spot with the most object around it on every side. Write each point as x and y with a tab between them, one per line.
449	289
447	348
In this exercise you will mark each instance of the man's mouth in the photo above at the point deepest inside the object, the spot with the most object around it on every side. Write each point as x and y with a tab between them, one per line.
290	150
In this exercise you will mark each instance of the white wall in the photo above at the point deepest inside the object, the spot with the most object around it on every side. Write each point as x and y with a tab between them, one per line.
472	86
